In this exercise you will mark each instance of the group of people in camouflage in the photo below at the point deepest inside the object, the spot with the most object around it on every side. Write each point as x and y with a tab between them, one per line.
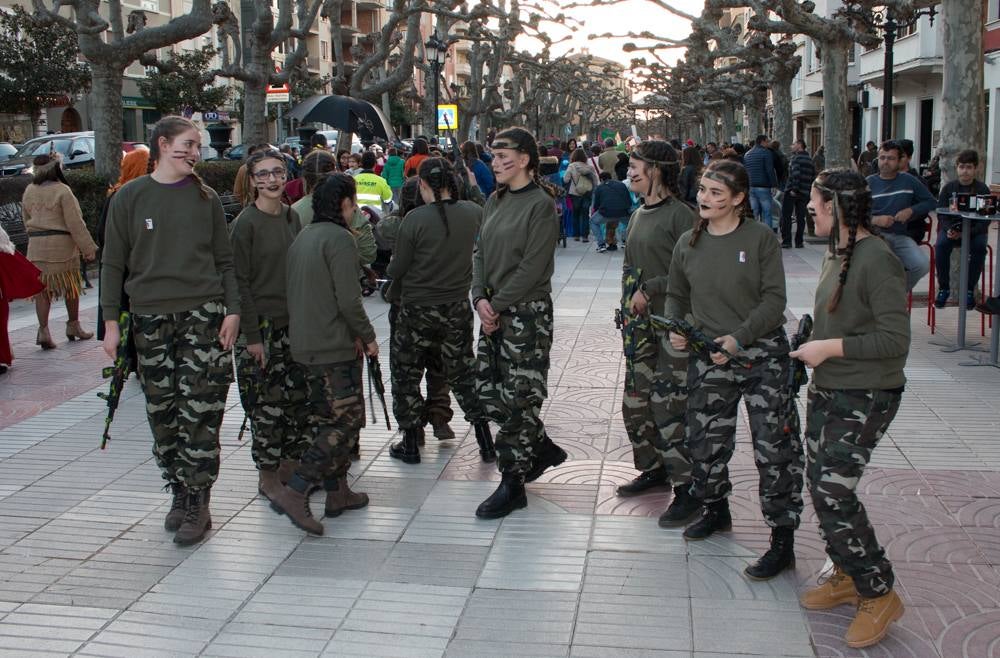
289	285
724	272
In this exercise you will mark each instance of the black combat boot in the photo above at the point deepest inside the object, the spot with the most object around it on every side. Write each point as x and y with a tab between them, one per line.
681	509
715	516
484	439
197	518
177	507
508	497
779	557
654	480
549	455
408	450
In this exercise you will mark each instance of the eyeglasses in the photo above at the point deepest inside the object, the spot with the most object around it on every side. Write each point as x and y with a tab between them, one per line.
265	174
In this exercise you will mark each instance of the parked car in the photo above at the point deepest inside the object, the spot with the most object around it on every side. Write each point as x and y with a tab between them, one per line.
236	152
6	151
77	150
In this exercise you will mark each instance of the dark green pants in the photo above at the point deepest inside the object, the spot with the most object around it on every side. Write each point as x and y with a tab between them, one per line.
336	416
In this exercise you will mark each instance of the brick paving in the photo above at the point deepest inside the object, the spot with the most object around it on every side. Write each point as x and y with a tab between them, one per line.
86	568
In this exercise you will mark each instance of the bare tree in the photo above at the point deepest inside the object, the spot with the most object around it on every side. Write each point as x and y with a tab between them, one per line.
111	49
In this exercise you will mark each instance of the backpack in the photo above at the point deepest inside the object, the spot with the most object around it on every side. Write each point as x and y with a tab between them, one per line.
583	183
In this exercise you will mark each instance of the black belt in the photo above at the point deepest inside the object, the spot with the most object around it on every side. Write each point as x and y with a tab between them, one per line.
42	234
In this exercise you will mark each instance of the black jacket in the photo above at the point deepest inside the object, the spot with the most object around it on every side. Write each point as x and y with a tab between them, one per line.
801	173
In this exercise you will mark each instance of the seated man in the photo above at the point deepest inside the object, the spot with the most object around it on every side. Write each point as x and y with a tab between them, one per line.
950	230
897	198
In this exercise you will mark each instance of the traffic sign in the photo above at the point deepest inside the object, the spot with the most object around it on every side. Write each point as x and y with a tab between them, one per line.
447	116
278	93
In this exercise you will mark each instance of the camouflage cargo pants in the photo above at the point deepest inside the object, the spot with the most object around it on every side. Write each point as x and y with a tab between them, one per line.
442	331
654	412
436	405
185	376
714	394
336	416
514	393
842	430
278	417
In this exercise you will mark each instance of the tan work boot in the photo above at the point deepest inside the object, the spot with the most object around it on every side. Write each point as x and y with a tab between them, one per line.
292	501
339	497
74	330
268	483
197	518
836	590
871	623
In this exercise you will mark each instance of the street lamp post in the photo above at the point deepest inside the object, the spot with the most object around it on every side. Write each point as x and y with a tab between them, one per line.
436	49
890	26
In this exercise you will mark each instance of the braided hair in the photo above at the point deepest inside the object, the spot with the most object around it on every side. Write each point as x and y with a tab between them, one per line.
328	199
409	196
522	141
734	176
169	127
439	175
316	167
661	157
852	205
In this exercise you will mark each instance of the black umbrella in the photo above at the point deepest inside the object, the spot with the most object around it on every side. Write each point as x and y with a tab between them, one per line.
345	113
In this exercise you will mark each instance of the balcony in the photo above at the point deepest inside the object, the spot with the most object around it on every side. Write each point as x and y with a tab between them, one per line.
462	69
369	5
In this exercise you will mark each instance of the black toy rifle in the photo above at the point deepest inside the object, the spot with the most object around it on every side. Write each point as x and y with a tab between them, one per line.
125	363
698	341
463	172
375	382
256	381
494	343
797	377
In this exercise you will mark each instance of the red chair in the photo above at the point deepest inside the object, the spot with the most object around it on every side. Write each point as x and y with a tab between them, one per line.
931	278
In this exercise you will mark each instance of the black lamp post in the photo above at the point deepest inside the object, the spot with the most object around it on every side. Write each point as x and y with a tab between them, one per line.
890	25
435	50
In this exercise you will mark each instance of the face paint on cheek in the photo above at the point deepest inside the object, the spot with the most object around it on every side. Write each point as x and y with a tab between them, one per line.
505	166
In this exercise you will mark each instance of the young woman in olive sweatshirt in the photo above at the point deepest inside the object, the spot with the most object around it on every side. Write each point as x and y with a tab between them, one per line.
271	383
169	231
859	346
511	291
432	267
329	332
727	275
655	396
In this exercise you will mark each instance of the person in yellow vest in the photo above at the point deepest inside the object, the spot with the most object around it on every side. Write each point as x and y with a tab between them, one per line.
373	190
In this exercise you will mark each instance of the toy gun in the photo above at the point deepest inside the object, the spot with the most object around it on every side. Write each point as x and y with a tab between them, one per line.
256	377
125	363
375	382
460	168
627	325
494	343
797	377
698	341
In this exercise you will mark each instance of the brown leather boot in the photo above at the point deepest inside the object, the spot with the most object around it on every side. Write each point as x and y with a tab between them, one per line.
292	501
339	497
871	623
197	518
836	590
268	483
286	470
74	331
177	507
43	339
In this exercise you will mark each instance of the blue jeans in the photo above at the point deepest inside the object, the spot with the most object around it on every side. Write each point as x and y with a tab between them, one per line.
581	211
916	263
597	226
942	259
760	202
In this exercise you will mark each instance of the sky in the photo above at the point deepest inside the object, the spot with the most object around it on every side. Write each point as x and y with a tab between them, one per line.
624	17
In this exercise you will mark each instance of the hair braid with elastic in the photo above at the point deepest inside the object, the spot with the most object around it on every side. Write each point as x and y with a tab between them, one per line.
328	199
851	200
438	174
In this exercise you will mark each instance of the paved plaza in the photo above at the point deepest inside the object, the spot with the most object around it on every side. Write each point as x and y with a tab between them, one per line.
87	569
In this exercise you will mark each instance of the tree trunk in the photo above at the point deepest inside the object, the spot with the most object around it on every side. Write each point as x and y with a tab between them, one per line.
106	93
962	86
728	124
752	129
255	111
781	96
836	117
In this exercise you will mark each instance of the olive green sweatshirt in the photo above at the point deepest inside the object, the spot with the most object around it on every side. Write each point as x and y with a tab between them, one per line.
434	265
517	247
174	245
731	284
871	317
260	249
362	228
652	233
325	313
